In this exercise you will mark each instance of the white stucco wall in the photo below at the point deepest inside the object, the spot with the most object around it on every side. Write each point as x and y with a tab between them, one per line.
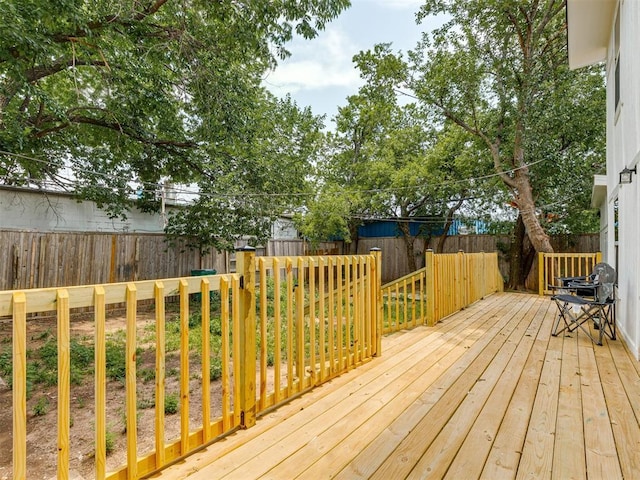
623	150
23	209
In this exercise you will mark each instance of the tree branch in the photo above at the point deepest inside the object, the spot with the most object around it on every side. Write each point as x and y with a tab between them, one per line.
116	126
37	73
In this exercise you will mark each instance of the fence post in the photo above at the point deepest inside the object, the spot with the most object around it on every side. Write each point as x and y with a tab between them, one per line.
376	297
431	287
245	267
541	274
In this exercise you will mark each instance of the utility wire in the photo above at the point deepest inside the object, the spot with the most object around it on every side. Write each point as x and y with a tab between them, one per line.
187	191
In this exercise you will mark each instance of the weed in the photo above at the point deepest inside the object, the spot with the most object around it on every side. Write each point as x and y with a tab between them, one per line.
147	375
41	407
6	365
110	441
44	335
115	360
171	402
146	403
215	368
116	355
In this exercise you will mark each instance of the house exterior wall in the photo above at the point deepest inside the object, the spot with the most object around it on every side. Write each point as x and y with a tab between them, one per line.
24	209
623	150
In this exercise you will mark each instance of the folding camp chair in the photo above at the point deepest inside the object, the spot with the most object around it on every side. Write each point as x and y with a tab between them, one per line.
590	299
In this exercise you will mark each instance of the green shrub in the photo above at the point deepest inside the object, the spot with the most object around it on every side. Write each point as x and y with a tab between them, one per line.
6	365
215	369
110	441
116	360
116	356
171	403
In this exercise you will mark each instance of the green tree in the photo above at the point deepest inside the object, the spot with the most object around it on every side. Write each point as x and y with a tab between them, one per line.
497	68
134	93
388	161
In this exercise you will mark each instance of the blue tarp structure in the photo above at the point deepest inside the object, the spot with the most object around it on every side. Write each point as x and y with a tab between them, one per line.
389	228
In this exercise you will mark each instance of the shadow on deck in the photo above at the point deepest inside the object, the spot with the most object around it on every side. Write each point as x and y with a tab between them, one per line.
487	393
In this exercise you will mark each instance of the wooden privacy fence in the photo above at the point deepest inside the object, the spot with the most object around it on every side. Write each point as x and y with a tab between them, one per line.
278	327
554	265
447	284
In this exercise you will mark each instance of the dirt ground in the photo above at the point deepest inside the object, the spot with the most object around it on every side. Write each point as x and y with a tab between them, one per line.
42	430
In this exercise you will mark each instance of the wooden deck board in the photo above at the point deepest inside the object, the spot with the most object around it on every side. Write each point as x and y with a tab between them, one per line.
506	449
473	453
487	393
568	451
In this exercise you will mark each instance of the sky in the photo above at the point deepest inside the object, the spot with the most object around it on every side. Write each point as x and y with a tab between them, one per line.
320	72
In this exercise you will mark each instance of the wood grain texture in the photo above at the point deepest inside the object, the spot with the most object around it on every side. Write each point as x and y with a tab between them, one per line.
486	393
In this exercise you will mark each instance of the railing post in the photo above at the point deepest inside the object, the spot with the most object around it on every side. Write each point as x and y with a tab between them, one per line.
245	266
64	372
541	275
431	287
19	385
376	310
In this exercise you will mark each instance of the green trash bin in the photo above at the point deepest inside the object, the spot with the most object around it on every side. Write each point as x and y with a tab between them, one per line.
202	273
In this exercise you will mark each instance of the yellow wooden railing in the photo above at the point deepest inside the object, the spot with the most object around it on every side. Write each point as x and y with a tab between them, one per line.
287	324
447	283
551	266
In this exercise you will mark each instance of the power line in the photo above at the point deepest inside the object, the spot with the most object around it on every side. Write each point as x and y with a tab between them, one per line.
186	191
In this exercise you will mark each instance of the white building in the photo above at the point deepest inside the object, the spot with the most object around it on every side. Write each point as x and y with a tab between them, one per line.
609	31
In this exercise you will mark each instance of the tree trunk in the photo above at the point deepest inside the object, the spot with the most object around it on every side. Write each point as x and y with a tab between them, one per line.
515	255
527	208
353	245
521	257
409	241
448	223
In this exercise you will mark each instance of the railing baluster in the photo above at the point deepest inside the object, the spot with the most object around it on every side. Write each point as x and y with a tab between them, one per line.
322	315
184	366
205	317
331	316
300	330
312	320
289	269
347	312
235	335
64	397
224	352
19	385
277	326
264	345
130	381
158	293
100	361
339	313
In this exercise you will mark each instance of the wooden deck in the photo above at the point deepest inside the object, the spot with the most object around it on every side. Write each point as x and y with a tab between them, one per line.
487	393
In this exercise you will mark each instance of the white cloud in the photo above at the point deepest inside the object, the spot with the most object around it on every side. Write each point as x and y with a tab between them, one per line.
324	63
401	4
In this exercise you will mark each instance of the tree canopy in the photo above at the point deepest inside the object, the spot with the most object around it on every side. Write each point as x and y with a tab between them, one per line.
497	68
130	94
389	161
